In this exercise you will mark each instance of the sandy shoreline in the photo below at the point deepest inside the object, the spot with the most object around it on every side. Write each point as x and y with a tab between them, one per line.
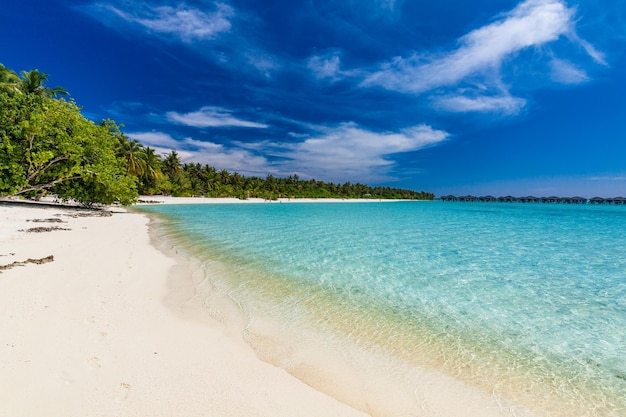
113	327
91	333
158	199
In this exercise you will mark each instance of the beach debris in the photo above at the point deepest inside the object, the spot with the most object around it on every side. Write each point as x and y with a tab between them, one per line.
90	213
39	261
42	229
51	220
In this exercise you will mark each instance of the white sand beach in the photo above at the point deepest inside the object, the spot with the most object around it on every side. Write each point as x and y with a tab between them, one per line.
100	322
90	333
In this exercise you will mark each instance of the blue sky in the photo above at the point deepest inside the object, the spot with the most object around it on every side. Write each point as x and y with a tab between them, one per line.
483	97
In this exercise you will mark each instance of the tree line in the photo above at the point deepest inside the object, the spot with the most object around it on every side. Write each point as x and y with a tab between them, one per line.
48	147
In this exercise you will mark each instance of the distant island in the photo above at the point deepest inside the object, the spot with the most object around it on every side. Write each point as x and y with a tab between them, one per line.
48	147
531	199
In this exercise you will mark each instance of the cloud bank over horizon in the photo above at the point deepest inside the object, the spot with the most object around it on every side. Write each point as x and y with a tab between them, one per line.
340	153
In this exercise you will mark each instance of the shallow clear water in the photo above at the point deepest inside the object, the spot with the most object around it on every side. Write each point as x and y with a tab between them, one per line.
524	300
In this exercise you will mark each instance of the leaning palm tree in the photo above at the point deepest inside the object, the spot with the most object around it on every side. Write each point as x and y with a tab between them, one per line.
33	82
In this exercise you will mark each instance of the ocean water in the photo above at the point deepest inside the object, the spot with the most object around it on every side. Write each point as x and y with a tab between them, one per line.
525	302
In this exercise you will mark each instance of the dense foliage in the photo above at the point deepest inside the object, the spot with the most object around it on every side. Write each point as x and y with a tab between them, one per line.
195	179
48	146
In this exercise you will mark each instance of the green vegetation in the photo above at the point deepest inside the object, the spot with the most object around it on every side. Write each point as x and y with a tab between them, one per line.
48	147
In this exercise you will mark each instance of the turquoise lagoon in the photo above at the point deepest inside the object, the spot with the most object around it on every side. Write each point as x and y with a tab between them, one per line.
525	302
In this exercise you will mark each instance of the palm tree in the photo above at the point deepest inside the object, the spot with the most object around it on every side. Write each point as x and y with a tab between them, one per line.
209	174
172	166
133	153
152	161
32	82
225	176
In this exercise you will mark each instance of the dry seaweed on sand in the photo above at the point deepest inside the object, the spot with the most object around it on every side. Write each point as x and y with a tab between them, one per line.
42	229
50	220
39	261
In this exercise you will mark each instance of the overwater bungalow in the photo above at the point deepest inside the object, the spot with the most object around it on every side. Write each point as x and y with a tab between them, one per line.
448	198
487	199
532	199
552	199
619	201
468	198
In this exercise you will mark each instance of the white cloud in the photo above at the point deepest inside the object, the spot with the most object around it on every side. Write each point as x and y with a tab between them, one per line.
187	23
609	178
348	152
211	117
325	66
505	105
482	53
263	62
162	143
567	73
214	154
532	23
343	153
231	158
155	139
591	51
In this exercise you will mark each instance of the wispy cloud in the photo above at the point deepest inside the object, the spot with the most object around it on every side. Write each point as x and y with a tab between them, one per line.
589	48
481	55
211	117
505	104
532	23
184	22
609	178
232	158
155	139
192	150
348	151
325	65
342	153
263	62
567	73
